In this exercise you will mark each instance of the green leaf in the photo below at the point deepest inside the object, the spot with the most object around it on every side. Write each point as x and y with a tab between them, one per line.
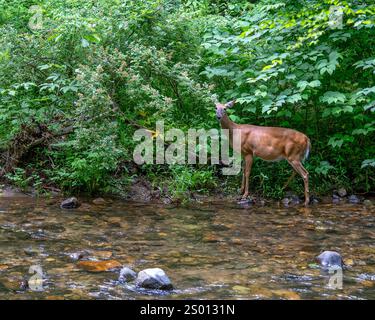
370	106
315	84
302	85
294	98
333	97
234	118
323	168
334	142
266	105
368	163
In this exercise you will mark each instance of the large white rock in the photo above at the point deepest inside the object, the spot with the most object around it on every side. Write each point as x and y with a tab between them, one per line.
328	259
154	278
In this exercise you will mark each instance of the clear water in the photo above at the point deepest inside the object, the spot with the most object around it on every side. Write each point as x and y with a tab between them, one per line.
211	251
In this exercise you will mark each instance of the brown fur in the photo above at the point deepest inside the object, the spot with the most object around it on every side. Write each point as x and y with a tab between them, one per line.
270	144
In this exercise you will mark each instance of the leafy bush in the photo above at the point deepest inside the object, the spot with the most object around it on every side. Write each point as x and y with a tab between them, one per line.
106	68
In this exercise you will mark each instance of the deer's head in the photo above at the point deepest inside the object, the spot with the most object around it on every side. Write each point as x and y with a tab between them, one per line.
221	108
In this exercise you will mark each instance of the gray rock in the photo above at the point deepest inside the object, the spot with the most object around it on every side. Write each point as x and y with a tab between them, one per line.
70	203
336	198
354	199
290	199
245	202
314	199
127	274
154	278
328	259
295	199
367	203
342	192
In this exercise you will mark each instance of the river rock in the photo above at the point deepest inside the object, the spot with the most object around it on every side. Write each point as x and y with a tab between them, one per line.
70	203
127	274
314	199
75	256
290	199
154	278
3	267
367	203
295	199
342	192
336	198
98	266
245	202
99	201
328	259
353	199
12	284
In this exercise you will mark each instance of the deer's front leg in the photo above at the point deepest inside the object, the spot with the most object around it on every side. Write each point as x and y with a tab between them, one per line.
243	178
248	165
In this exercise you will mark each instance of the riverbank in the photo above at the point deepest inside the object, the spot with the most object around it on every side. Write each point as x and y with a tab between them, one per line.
142	191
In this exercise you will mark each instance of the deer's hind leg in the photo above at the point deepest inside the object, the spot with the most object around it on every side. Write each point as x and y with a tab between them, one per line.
297	165
289	180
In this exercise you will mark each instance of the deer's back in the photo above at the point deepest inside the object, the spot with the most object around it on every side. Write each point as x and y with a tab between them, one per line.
273	143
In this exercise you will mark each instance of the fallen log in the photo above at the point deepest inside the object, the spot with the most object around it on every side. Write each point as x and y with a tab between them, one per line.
29	137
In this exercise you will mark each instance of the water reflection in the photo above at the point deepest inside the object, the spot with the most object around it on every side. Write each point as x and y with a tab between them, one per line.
219	250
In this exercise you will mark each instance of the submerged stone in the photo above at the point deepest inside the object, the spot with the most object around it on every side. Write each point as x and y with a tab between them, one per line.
99	201
98	266
154	278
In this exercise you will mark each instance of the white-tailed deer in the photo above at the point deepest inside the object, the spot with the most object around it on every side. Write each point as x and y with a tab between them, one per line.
270	144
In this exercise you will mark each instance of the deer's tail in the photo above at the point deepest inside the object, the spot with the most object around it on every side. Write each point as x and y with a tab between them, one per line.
307	150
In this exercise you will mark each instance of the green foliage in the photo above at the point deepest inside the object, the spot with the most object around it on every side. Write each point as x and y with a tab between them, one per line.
287	66
190	179
108	67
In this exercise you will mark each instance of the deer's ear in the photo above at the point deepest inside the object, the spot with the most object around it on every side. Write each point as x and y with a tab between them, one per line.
230	104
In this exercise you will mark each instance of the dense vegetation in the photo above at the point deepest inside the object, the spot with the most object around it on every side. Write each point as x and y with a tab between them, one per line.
78	77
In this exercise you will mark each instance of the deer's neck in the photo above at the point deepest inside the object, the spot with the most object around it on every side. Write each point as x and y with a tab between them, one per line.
226	123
